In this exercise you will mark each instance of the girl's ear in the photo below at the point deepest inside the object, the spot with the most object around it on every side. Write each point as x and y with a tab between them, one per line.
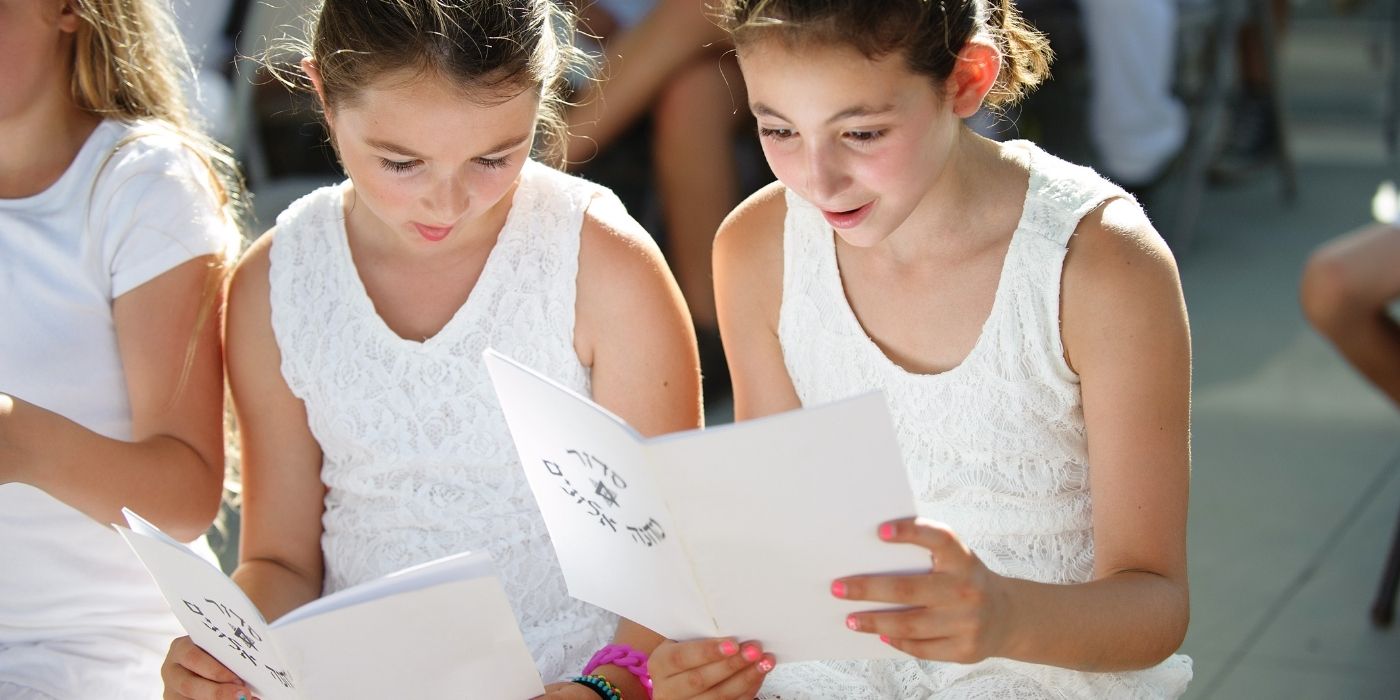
313	72
68	19
974	74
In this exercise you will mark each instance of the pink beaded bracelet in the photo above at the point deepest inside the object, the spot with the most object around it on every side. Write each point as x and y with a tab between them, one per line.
622	656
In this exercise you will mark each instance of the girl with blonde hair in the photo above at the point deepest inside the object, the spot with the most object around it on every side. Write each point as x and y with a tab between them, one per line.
116	221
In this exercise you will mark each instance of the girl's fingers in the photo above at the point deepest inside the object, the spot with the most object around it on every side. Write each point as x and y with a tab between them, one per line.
700	682
914	623
743	684
190	672
677	657
185	653
949	553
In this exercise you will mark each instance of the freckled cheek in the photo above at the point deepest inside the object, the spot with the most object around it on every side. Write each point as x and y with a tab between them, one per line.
392	201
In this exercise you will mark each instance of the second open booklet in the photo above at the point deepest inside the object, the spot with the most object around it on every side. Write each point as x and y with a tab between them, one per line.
737	530
443	629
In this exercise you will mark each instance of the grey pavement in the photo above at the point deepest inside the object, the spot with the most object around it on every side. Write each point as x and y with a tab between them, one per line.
1296	460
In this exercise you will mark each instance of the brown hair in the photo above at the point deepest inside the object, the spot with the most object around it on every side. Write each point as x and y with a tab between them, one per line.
493	49
929	33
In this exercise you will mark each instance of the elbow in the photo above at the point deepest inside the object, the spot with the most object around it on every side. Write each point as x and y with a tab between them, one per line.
200	504
1171	632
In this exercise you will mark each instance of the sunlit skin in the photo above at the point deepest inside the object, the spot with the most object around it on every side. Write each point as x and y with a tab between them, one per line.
923	212
433	172
431	183
870	147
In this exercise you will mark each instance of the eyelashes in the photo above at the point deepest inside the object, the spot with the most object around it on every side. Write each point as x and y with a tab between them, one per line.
398	166
403	166
860	137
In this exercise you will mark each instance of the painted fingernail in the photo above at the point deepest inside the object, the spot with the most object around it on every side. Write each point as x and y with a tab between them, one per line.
838	589
886	531
852	623
751	653
884	639
728	648
765	665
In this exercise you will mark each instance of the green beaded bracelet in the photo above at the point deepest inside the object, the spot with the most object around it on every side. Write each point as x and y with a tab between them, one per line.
599	685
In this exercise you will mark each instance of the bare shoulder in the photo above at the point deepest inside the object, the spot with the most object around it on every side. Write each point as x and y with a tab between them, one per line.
1115	249
249	279
625	290
1121	292
615	253
755	226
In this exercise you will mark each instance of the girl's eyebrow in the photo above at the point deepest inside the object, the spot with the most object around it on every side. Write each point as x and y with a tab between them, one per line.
390	146
763	110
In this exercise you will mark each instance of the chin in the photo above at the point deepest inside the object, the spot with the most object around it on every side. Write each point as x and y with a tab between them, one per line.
867	235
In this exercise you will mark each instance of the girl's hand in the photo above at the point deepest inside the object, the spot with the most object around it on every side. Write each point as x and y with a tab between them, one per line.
955	612
190	672
712	669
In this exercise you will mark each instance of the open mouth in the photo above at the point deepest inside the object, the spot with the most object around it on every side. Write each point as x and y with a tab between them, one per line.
849	218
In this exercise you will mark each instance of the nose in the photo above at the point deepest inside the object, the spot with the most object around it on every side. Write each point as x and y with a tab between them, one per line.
449	199
826	173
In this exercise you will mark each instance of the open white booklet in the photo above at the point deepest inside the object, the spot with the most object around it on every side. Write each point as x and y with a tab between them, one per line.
737	530
443	629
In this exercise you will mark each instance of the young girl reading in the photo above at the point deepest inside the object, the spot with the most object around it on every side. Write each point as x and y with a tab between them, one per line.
114	233
1026	324
371	435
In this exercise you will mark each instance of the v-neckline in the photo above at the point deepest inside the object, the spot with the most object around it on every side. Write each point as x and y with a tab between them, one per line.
484	281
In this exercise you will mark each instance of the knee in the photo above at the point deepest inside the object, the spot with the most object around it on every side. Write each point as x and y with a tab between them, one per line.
1327	292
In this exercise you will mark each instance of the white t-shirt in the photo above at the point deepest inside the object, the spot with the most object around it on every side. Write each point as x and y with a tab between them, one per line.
79	616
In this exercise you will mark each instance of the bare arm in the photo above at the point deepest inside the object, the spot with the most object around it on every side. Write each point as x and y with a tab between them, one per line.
634	331
280	552
748	264
171	472
1126	334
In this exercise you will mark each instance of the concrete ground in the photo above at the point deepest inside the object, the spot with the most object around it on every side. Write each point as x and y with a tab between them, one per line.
1295	491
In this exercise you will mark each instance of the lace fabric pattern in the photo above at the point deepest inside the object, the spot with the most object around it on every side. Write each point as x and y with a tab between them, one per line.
995	447
417	460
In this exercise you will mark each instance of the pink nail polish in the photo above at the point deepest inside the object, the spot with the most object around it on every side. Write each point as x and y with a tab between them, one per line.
838	589
752	654
765	665
884	639
886	531
853	623
728	648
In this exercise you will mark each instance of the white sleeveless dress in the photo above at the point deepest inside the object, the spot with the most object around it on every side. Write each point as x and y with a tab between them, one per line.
995	447
418	462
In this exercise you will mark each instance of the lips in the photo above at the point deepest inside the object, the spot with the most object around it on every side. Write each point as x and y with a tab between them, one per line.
432	233
850	218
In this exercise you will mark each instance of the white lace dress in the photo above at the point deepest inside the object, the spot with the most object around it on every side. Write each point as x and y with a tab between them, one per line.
995	447
418	462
